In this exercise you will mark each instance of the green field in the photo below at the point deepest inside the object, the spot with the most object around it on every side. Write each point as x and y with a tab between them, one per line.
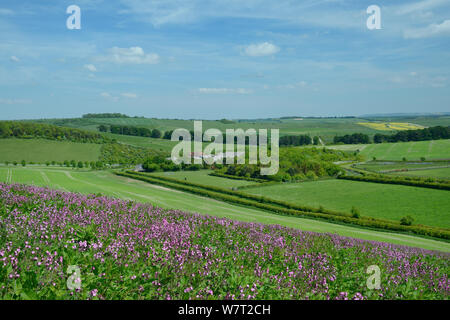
443	173
41	150
109	184
386	166
327	128
202	177
426	206
431	150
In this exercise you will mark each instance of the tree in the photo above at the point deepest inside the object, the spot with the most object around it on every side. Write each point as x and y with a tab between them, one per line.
103	128
156	133
355	213
15	163
407	221
80	164
24	163
316	140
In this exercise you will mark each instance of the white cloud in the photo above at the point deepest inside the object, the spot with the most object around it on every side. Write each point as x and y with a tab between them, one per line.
14	101
261	49
90	67
420	6
132	55
432	30
129	95
14	59
108	96
224	91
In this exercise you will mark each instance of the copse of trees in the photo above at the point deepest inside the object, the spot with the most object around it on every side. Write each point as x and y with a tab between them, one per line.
299	140
432	133
131	131
104	115
355	138
26	129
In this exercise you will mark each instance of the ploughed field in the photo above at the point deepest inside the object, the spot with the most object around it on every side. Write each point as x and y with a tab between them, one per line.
125	249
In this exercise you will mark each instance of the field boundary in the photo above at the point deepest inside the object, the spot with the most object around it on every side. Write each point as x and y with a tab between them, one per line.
233	197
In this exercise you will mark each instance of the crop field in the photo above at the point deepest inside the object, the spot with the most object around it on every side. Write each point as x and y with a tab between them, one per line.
443	173
109	184
385	166
128	250
390	126
426	206
202	177
41	150
430	150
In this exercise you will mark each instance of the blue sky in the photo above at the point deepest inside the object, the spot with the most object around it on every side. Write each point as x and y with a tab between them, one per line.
223	58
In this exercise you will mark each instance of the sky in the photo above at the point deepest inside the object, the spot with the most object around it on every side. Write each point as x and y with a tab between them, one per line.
218	59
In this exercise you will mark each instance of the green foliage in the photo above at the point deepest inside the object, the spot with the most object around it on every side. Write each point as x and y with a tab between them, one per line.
296	164
355	213
355	138
104	115
407	221
22	129
431	133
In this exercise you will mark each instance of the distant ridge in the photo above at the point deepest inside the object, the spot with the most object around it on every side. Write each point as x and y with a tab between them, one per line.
413	114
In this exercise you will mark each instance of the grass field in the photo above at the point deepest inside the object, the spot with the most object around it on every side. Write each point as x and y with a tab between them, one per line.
443	173
41	150
431	150
426	206
326	128
202	177
109	184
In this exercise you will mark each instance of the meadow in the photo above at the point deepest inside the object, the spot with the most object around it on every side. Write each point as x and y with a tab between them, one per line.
204	178
126	250
41	150
442	173
430	150
106	183
426	206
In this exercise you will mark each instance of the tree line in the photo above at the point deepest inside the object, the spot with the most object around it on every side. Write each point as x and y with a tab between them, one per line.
104	115
131	130
432	133
25	129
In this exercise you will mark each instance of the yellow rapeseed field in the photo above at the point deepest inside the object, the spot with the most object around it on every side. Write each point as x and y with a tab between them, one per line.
389	126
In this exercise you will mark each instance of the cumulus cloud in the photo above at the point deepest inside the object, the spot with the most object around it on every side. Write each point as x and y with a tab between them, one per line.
129	95
90	67
224	91
132	55
14	59
261	49
432	30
